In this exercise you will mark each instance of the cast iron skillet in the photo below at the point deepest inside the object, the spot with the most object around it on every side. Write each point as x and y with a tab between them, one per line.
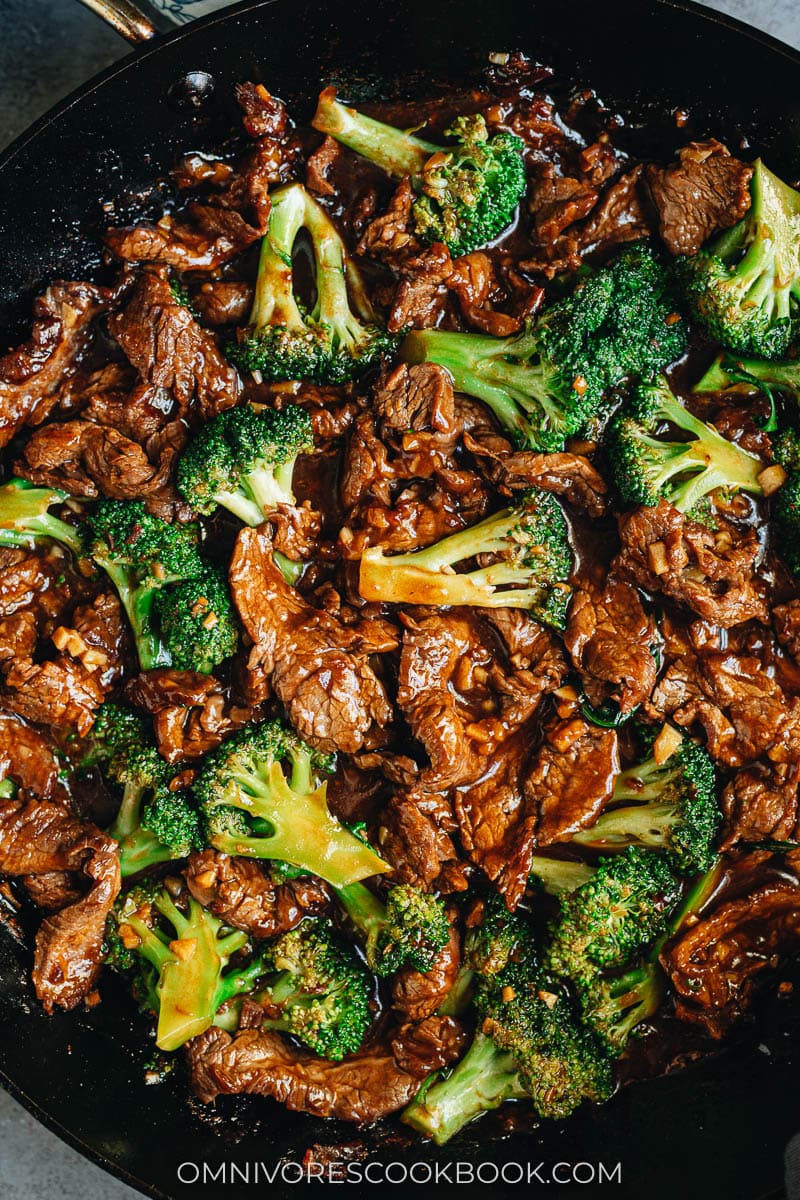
719	1127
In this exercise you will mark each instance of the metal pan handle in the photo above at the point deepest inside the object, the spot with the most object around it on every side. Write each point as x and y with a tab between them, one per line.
140	21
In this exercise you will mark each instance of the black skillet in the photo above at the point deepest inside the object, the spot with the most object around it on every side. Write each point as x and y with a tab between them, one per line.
717	1129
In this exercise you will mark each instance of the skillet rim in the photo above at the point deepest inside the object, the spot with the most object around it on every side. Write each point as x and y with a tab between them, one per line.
711	18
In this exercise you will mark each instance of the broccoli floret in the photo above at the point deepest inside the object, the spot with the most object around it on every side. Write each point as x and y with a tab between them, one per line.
466	192
25	519
545	383
608	920
648	468
244	461
744	285
786	520
530	1045
670	805
198	621
532	564
786	449
176	954
613	1005
330	343
409	929
154	824
321	993
501	937
142	554
252	808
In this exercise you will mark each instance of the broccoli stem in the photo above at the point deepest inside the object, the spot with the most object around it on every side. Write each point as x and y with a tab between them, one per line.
480	367
190	985
484	1079
24	517
557	875
274	301
394	151
304	833
364	909
138	848
139	605
727	371
635	824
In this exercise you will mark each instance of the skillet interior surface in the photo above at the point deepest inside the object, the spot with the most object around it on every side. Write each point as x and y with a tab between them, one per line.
719	1127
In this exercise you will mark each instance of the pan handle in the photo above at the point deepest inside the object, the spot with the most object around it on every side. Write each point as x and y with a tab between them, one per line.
140	21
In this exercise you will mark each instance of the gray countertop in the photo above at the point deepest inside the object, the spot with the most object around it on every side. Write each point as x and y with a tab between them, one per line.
48	47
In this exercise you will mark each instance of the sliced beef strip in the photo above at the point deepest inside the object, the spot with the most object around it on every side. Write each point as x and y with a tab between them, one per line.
192	713
416	400
611	640
214	230
66	690
705	191
733	695
786	622
571	779
421	297
569	475
718	966
38	374
88	459
414	837
516	807
168	348
712	573
462	696
418	994
760	803
39	837
619	216
242	895
362	1088
391	238
316	666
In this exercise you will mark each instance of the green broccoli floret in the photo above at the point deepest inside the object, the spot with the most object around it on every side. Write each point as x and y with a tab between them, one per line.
244	461
530	1044
648	468
330	343
533	562
744	285
198	621
321	993
141	554
501	937
25	519
407	930
176	954
154	824
786	449
607	921
8	788
466	192
252	808
668	806
786	520
545	383
614	1004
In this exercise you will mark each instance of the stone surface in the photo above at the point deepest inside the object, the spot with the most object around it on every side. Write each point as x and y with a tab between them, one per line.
47	48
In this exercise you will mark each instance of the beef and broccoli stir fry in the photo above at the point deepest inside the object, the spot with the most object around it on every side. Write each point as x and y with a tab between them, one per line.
400	607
